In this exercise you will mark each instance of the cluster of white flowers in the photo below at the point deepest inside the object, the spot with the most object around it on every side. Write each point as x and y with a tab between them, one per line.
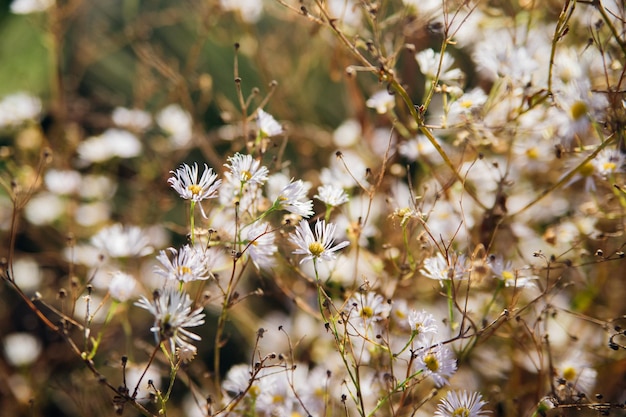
439	229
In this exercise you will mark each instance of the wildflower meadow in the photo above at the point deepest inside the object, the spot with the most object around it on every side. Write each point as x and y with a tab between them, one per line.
293	208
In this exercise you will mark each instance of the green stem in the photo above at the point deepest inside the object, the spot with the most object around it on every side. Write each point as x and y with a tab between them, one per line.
192	222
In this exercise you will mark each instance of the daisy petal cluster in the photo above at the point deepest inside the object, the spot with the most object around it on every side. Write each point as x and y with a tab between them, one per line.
439	268
172	311
186	183
293	198
367	308
437	363
331	195
261	247
184	265
268	126
319	245
245	170
423	325
461	403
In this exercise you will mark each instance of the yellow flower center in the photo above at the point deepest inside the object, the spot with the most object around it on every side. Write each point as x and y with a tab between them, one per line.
431	363
184	270
316	249
245	176
461	412
466	104
532	153
508	275
609	166
569	373
254	391
586	170
367	312
194	188
578	110
277	399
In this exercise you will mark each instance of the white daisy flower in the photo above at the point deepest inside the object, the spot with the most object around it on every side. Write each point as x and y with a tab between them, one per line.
119	241
245	170
368	308
423	325
132	119
382	101
575	372
291	199
437	267
268	126
429	62
608	162
504	271
122	286
185	182
318	246
30	6
110	144
261	247
186	264
63	182
172	311
178	123
331	195
18	108
459	403
437	363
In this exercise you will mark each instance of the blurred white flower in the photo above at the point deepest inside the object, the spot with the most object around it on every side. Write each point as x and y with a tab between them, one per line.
21	349
608	162
250	10
496	56
429	62
119	241
382	101
365	309
132	119
504	271
18	108
347	134
418	146
318	246
178	123
27	274
122	286
464	108
347	11
261	247
424	326
99	187
136	371
580	106
44	208
268	126
576	373
62	182
93	213
440	268
110	144
331	195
